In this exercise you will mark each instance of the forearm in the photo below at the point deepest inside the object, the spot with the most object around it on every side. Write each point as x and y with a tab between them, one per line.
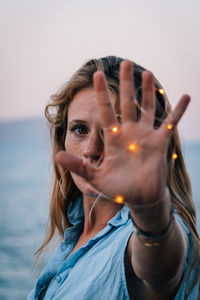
158	262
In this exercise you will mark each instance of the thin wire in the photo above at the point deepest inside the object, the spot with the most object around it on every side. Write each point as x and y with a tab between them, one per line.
142	110
95	201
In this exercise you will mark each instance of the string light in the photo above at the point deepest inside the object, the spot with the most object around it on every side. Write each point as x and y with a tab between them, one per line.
174	156
115	129
162	91
169	126
132	147
119	199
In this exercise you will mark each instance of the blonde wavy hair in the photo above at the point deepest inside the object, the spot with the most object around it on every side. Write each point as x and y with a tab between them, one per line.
64	190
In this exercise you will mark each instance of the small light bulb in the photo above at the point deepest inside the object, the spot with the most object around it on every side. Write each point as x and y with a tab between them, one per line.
174	156
169	126
115	129
132	147
162	91
119	199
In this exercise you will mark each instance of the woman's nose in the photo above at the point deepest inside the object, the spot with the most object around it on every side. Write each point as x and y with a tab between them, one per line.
94	148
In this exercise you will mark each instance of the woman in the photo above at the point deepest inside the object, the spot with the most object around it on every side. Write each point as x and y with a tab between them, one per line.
121	199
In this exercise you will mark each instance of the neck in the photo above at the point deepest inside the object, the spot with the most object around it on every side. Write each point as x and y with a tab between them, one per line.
98	214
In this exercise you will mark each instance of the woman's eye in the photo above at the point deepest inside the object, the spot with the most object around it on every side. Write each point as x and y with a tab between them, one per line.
79	130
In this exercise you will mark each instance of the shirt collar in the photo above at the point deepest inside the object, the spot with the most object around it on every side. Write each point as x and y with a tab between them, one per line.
76	214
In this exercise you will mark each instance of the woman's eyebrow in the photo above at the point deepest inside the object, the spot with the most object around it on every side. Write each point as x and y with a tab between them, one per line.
77	121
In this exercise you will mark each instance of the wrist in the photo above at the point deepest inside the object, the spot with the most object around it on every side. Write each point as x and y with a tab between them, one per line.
152	218
150	239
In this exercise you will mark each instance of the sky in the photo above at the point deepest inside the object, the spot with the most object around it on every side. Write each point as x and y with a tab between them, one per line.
43	42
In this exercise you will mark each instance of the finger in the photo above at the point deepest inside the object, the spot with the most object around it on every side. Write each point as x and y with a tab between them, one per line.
105	107
128	109
148	98
75	164
172	120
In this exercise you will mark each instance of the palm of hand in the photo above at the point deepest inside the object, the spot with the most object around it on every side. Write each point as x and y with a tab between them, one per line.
132	165
138	175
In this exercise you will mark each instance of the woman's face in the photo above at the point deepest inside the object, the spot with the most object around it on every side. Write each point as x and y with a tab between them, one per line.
83	134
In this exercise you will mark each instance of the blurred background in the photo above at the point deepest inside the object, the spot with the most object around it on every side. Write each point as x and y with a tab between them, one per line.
43	42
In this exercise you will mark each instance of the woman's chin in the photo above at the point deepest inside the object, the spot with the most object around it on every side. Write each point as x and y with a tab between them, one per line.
91	194
85	188
88	191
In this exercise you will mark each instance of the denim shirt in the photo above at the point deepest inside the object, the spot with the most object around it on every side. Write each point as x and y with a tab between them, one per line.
96	270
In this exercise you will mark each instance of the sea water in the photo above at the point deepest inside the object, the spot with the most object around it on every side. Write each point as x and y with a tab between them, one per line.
24	197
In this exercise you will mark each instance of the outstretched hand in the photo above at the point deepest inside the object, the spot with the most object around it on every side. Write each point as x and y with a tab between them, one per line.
134	165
